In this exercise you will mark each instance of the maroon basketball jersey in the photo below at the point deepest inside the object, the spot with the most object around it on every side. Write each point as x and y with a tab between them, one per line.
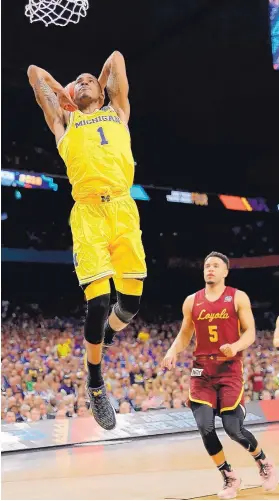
216	322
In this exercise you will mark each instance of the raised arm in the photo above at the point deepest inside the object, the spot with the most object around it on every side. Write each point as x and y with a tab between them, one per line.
114	78
47	90
247	324
276	335
184	336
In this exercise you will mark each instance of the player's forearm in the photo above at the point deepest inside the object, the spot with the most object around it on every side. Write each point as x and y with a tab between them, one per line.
103	78
182	341
34	73
247	339
108	67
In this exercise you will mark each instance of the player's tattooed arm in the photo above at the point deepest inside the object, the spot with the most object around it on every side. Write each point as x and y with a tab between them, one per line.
46	89
276	335
114	78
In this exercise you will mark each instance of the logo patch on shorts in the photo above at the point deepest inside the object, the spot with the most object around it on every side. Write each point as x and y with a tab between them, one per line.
196	372
228	299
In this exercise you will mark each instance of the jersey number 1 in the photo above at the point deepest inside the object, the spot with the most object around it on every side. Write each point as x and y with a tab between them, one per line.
102	135
213	333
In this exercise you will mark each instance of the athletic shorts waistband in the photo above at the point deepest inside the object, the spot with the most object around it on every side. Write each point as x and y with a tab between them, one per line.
216	358
103	198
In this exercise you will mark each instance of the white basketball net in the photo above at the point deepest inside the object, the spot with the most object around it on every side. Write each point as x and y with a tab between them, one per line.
58	12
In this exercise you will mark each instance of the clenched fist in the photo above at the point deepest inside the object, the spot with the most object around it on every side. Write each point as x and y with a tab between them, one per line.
65	100
229	350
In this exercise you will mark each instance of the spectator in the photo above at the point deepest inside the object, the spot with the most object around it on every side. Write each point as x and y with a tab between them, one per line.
257	379
125	408
266	395
35	415
177	403
137	375
61	414
83	412
63	348
35	377
71	411
10	417
24	414
67	387
43	411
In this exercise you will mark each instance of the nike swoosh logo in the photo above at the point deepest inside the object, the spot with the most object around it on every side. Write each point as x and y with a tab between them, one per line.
198	304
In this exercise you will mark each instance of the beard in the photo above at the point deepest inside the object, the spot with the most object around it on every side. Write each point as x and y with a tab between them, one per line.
209	282
85	100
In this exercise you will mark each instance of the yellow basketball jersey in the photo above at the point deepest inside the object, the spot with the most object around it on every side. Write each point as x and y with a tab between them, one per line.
96	149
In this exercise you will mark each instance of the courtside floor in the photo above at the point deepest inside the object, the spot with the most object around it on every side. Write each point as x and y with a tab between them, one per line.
166	467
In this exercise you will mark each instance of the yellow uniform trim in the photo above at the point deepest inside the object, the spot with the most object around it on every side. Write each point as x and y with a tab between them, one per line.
236	403
88	280
199	401
135	275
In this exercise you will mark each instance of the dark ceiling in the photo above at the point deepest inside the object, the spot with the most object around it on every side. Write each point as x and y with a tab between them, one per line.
204	95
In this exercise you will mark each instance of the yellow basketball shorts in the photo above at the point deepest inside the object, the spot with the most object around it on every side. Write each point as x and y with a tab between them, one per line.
107	239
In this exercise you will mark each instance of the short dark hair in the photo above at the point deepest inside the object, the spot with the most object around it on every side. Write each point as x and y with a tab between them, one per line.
221	256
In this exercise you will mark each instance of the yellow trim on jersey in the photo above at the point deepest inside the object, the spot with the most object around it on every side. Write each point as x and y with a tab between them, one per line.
236	403
135	275
87	280
199	401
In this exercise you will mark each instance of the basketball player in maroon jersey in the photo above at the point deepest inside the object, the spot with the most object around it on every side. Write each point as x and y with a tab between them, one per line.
224	325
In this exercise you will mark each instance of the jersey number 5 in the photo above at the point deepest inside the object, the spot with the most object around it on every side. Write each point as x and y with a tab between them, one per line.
102	136
213	333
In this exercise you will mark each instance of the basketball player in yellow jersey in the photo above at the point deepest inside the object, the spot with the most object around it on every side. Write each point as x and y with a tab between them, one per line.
94	142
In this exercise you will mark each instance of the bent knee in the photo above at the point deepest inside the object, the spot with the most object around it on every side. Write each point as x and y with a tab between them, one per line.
97	313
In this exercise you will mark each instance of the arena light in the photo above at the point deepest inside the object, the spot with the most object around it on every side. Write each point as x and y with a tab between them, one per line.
29	180
274	31
139	193
187	197
258	204
235	203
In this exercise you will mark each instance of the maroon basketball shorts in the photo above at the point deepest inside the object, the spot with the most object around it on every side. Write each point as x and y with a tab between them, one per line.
217	384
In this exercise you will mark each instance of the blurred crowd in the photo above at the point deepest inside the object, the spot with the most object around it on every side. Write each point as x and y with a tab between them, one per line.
43	370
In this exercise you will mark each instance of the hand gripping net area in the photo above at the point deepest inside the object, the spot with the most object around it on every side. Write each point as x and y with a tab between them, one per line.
58	12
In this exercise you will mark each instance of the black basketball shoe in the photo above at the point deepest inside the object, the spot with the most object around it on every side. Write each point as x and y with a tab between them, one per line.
101	407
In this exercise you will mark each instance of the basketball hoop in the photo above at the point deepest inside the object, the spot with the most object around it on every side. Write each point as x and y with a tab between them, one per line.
58	12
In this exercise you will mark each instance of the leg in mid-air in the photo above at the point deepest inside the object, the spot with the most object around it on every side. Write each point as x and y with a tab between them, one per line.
128	261
128	292
233	425
98	301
